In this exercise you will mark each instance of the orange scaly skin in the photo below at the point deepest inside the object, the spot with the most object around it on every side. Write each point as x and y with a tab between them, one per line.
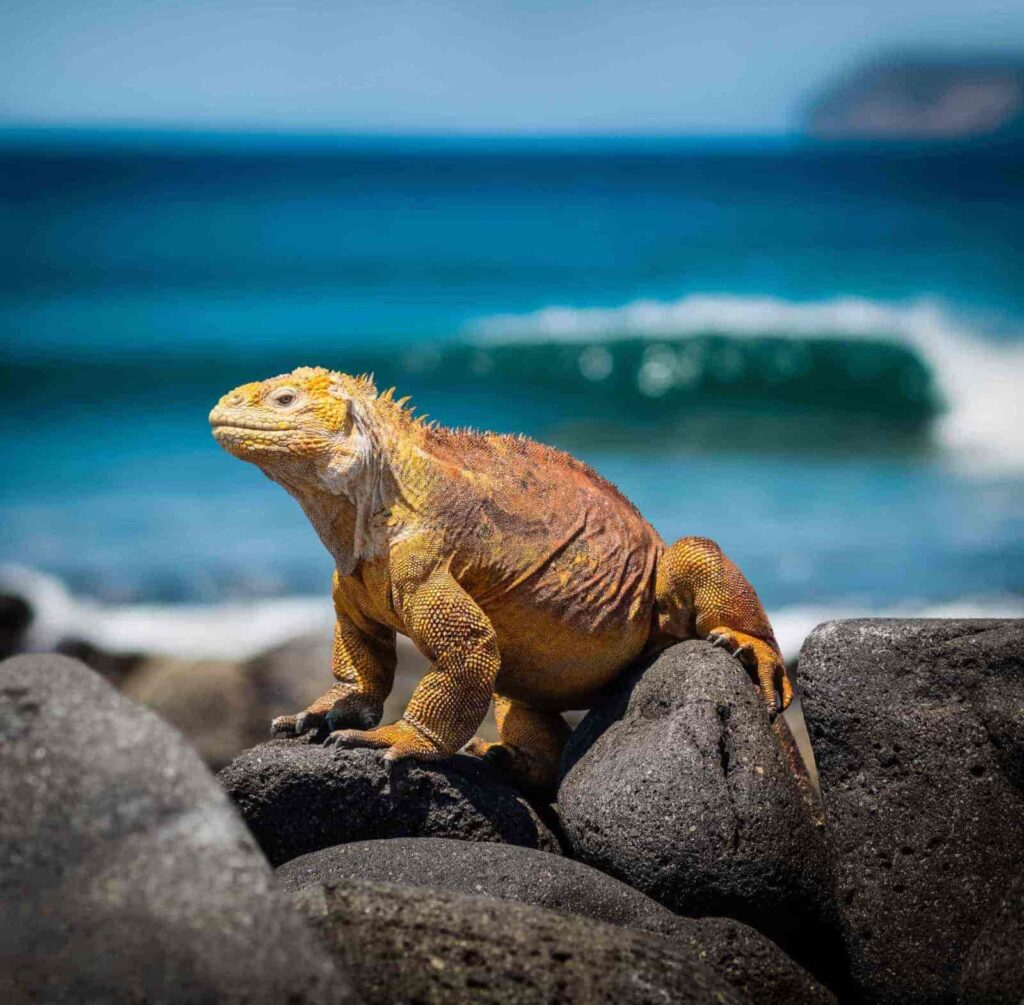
517	571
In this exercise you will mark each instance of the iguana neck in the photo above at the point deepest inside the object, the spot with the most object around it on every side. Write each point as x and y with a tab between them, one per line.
357	518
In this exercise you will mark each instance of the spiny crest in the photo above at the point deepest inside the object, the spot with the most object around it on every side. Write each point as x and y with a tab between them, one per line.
341	385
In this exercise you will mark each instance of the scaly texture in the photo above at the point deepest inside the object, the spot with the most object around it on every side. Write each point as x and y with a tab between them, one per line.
516	569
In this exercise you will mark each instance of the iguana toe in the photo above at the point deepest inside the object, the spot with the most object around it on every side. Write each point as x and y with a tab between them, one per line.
285	726
762	661
400	739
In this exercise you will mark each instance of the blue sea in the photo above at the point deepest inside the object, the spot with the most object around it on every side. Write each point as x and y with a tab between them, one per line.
812	353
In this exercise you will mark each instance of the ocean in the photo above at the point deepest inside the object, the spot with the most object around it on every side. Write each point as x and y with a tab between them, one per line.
813	354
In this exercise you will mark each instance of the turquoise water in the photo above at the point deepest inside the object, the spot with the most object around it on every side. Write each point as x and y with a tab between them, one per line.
812	354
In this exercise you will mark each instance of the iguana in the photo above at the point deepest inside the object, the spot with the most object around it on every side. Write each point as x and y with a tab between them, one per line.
517	570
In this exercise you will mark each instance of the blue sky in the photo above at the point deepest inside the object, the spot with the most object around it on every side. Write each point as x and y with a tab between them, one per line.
493	66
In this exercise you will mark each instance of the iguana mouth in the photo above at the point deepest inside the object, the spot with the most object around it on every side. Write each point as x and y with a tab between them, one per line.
263	427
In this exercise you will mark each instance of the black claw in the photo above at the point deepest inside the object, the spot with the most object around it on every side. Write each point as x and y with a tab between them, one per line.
301	723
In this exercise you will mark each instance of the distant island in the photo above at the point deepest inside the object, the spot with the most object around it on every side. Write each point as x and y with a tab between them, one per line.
923	97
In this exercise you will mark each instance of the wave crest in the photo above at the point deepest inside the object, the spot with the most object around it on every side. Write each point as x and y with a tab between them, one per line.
911	360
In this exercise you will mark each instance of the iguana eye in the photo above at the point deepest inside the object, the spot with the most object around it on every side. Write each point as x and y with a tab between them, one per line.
283	397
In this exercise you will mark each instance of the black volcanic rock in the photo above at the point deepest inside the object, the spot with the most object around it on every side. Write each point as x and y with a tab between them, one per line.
298	796
507	872
994	971
125	874
751	963
677	784
403	944
918	728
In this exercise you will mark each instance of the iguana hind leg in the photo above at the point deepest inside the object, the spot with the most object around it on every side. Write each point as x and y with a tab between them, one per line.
531	744
700	592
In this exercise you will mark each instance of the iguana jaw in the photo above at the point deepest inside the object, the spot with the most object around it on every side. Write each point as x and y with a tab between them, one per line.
248	439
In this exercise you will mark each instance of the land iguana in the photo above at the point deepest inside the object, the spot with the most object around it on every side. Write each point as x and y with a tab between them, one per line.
518	571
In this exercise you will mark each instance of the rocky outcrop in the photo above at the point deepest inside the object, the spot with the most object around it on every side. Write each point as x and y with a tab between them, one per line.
753	965
677	784
918	728
416	945
298	796
125	874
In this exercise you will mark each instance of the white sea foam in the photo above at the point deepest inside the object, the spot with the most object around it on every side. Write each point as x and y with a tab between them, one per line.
236	629
981	380
242	629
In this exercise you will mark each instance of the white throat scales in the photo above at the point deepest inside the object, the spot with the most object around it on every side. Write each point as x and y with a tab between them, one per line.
357	477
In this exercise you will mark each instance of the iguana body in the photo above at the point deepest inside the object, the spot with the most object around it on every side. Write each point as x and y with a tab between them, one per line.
517	570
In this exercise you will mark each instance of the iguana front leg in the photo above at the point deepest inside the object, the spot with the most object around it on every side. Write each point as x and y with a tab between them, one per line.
363	662
699	591
451	700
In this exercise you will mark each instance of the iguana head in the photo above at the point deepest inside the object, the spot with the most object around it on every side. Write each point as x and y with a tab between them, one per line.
302	428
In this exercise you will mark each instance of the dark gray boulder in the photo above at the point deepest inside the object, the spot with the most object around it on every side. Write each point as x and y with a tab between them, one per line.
506	872
918	728
994	971
751	963
402	944
298	796
125	874
677	783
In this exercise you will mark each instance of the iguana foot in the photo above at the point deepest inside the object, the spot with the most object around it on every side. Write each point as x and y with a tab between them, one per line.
401	739
285	726
762	662
347	712
520	770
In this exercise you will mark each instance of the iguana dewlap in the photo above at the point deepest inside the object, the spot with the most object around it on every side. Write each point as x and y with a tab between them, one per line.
517	571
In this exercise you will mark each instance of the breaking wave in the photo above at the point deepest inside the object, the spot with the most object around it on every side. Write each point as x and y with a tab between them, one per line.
912	364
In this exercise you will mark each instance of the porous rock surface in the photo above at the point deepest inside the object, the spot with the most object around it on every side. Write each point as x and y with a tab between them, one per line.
507	872
431	946
298	796
993	973
677	783
125	874
918	728
751	963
